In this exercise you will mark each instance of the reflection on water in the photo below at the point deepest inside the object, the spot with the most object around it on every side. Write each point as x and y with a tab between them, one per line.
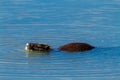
56	23
35	53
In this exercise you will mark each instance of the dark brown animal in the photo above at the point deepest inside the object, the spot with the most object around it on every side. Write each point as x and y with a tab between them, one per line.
37	47
76	47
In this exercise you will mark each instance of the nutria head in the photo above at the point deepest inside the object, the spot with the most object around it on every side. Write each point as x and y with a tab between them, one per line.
76	47
37	47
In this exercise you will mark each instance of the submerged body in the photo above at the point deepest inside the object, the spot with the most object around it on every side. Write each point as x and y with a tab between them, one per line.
37	47
76	47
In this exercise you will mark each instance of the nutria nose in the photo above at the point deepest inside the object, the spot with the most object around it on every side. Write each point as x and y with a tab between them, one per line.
27	44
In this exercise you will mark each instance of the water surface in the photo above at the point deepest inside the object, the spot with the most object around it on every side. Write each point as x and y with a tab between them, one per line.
57	22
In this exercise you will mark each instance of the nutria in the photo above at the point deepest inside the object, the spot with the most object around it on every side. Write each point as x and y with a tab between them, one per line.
37	47
76	47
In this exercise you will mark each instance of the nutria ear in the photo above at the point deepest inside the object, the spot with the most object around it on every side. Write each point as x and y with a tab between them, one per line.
27	44
47	47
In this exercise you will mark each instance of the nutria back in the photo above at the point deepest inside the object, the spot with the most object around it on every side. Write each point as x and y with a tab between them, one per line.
76	47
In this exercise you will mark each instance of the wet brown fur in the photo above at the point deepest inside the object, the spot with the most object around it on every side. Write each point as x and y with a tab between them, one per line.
76	47
38	47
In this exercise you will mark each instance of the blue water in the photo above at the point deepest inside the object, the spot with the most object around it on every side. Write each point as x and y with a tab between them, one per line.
57	22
